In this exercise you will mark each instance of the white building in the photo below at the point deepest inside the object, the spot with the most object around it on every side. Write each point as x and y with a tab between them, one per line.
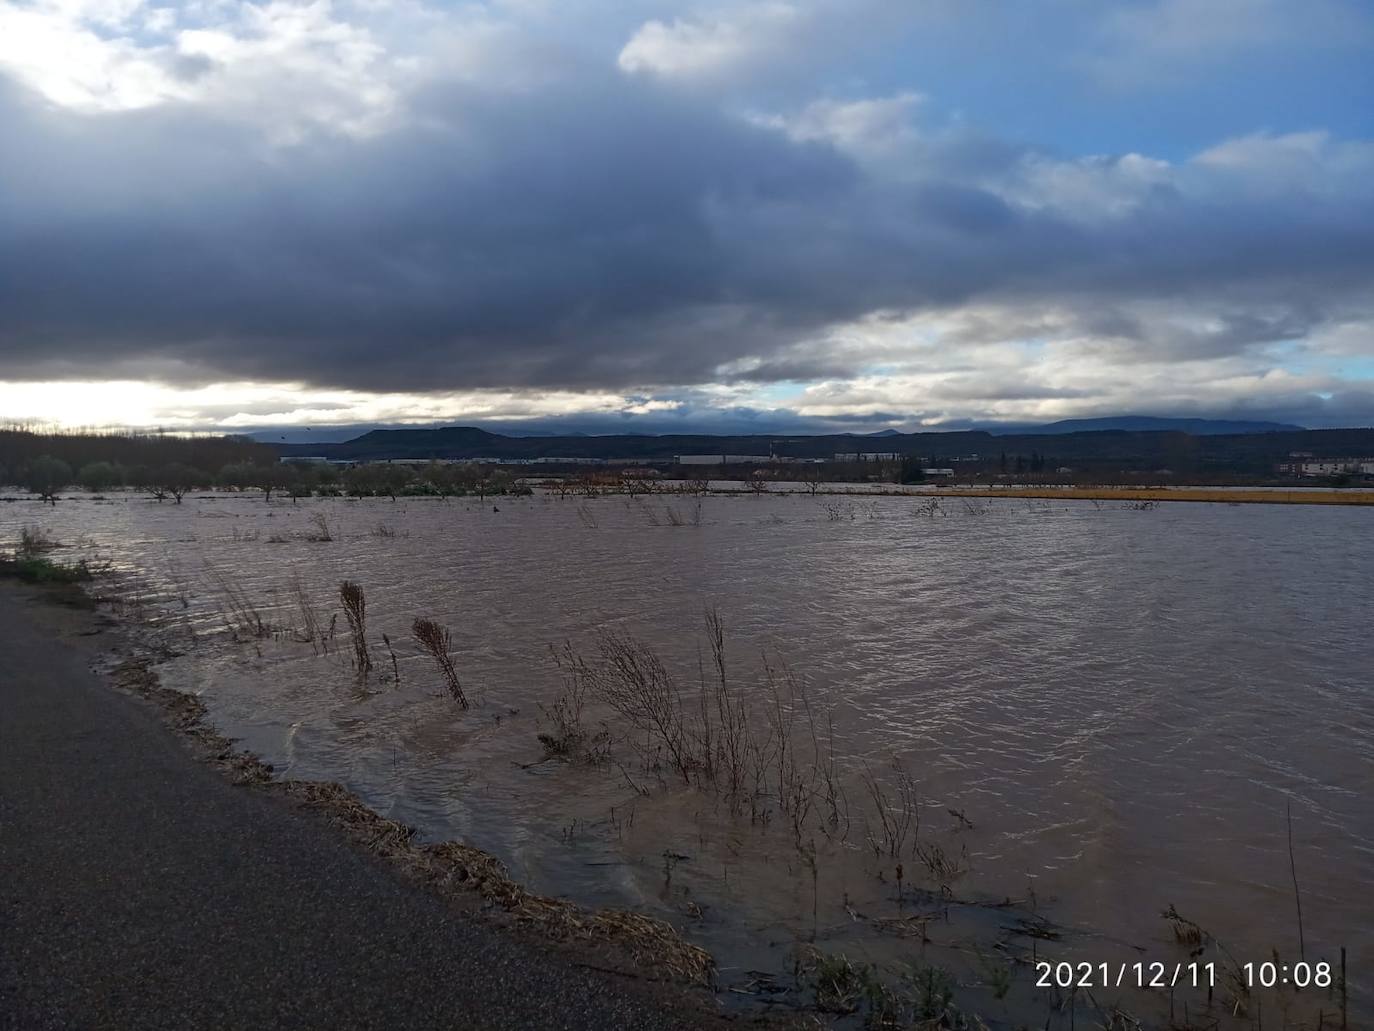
724	459
1327	466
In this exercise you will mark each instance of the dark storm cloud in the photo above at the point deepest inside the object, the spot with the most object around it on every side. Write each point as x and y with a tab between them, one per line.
608	235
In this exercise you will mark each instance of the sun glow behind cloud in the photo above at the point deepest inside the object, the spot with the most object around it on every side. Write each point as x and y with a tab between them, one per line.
233	407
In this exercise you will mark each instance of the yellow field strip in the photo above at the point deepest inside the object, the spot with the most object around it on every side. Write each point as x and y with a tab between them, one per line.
1241	497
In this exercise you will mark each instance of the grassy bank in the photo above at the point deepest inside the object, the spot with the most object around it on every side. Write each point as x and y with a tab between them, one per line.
36	569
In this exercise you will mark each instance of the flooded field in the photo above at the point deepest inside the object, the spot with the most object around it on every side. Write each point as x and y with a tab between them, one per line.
1057	720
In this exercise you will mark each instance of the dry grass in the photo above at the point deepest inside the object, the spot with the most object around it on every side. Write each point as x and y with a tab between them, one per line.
243	616
564	713
435	640
309	631
633	681
355	611
897	819
33	540
321	530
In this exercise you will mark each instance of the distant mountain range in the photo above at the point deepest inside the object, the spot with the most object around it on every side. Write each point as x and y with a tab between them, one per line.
1152	424
1204	447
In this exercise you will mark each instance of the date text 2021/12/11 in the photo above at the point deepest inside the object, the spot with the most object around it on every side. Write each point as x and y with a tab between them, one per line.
1178	975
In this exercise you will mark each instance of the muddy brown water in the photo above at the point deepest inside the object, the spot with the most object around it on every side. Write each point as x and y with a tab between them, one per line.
1121	704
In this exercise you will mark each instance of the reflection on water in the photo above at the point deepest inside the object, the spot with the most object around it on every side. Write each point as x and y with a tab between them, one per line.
1119	704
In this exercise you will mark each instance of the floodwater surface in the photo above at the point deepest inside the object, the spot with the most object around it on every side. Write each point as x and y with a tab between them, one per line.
1105	711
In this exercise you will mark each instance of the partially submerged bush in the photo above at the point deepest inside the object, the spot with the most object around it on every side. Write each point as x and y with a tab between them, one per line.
355	611
31	564
435	640
46	476
39	570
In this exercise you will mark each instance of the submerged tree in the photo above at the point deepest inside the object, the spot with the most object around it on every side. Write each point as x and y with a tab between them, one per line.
98	476
176	479
46	476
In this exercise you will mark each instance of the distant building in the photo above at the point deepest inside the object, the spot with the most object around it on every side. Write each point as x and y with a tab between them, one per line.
723	459
1308	466
867	456
938	472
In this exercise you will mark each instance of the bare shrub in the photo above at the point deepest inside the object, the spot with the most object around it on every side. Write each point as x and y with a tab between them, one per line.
838	511
564	713
796	775
435	639
240	612
942	866
677	517
633	681
321	531
772	758
355	611
34	540
733	742
309	631
897	818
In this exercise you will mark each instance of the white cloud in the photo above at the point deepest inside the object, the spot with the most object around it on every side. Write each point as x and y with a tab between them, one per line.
714	44
1309	163
871	129
287	66
1088	189
56	49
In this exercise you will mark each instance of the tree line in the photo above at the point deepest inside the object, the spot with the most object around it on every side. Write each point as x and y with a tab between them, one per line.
20	446
47	476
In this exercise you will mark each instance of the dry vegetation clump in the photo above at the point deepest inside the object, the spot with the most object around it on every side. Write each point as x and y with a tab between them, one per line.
838	511
922	996
242	614
435	639
711	737
34	540
355	611
309	632
564	713
677	517
761	746
897	819
321	531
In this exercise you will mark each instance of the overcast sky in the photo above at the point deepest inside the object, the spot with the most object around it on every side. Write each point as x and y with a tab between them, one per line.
850	214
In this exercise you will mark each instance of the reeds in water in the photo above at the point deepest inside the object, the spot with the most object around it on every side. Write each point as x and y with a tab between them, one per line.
240	612
355	611
435	639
